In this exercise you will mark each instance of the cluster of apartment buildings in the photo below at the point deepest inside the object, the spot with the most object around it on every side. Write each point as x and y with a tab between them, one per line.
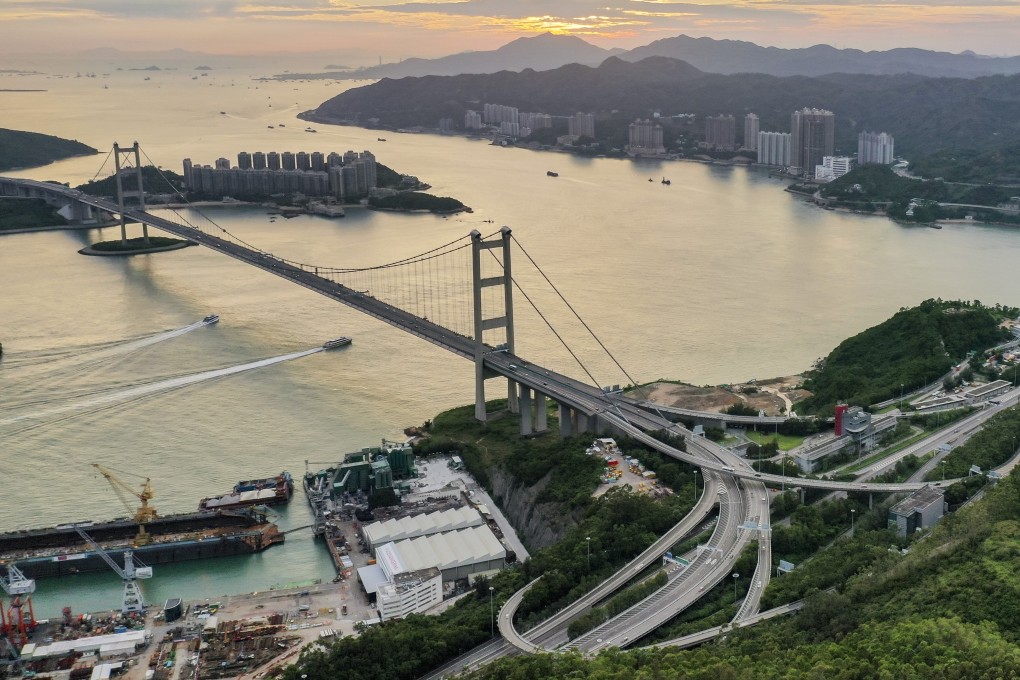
510	122
344	177
806	150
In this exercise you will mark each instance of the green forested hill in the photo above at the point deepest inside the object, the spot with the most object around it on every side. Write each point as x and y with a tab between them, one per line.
28	149
949	610
924	114
914	347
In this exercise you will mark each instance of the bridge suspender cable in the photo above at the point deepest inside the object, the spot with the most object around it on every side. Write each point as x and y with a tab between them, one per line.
571	308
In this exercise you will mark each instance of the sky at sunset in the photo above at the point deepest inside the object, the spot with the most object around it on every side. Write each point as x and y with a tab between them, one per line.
393	29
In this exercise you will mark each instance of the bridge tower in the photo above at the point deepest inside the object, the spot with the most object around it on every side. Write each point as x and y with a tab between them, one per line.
483	324
119	155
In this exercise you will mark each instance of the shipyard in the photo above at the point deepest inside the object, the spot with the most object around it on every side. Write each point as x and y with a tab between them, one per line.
405	534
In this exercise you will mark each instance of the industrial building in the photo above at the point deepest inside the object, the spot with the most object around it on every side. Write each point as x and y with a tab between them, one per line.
452	519
409	574
370	470
919	510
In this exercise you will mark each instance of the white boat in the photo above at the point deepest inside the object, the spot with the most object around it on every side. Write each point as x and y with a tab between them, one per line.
212	318
338	342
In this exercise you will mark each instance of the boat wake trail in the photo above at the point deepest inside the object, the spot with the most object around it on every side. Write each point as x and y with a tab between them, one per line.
101	402
48	361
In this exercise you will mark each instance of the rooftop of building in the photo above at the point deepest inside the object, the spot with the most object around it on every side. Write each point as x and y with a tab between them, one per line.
919	500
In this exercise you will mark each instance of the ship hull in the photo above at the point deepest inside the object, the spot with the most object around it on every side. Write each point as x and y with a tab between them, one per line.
61	551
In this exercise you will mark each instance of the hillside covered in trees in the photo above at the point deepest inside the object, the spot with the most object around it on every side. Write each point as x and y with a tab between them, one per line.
948	610
20	149
915	347
924	114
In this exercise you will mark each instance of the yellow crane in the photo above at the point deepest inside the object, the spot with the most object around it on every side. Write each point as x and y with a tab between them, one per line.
143	514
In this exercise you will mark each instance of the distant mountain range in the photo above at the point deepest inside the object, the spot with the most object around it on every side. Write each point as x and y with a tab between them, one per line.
548	51
541	53
924	114
735	56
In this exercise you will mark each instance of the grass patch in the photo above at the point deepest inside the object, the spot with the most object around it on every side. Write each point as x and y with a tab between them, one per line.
786	441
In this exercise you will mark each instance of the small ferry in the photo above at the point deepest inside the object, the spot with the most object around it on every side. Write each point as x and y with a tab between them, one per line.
338	342
212	318
380	139
550	173
270	127
666	181
310	129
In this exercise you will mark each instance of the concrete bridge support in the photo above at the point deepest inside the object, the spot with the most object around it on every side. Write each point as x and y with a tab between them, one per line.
584	423
483	324
525	407
541	413
566	420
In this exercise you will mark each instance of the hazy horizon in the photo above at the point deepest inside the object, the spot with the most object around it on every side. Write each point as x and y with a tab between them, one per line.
392	30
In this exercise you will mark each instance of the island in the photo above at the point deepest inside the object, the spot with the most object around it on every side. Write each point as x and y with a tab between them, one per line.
20	149
28	213
417	201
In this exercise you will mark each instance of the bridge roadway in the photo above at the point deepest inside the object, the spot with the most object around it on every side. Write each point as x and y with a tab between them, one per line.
537	638
623	414
710	567
701	637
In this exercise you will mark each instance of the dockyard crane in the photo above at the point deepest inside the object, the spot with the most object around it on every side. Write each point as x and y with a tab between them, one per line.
16	622
143	514
131	571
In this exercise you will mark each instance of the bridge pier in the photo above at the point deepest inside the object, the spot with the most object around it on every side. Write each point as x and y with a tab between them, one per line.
525	408
584	423
566	417
541	413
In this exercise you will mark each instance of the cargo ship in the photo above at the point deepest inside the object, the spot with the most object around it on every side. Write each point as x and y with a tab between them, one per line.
268	491
60	550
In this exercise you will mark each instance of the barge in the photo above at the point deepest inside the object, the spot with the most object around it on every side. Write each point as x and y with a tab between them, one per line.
60	550
268	491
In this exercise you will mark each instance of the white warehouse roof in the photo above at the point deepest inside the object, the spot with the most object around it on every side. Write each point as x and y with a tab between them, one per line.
445	551
422	525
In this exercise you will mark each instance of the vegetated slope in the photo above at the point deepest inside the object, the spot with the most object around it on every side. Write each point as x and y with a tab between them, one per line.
27	213
603	534
879	183
20	149
737	56
914	347
924	114
1001	165
154	181
948	610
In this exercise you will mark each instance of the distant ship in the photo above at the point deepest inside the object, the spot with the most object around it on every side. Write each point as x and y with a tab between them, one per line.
666	181
550	173
338	342
380	139
212	318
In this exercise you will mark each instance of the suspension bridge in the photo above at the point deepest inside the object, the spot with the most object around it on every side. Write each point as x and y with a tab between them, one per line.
460	297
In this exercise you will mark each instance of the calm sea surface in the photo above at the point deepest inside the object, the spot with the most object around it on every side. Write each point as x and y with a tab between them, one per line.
719	277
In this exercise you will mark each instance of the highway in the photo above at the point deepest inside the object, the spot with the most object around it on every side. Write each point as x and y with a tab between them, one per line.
685	587
541	634
743	504
701	637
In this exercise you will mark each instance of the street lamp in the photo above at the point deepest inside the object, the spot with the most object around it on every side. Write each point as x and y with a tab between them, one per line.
852	511
492	614
695	485
735	577
587	542
900	405
783	459
943	462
